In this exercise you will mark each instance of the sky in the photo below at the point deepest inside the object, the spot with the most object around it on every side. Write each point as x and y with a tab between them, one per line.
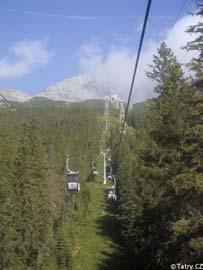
44	42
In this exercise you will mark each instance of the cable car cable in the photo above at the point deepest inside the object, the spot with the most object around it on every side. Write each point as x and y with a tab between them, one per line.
172	25
135	71
179	13
131	89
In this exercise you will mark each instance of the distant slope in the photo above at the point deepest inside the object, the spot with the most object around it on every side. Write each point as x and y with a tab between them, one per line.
44	102
137	114
14	95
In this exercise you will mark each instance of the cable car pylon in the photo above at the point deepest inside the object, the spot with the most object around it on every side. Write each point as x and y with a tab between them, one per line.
104	168
106	112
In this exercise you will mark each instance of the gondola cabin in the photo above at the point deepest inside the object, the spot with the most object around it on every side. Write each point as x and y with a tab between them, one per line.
73	183
109	157
94	169
95	172
111	194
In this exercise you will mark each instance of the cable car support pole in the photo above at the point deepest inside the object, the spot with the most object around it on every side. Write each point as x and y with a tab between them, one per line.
104	180
104	169
106	113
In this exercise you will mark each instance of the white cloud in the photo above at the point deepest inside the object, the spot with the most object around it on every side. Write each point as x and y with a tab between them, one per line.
24	57
114	70
66	16
90	56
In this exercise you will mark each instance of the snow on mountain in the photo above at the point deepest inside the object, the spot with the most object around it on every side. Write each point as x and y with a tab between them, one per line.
73	89
14	95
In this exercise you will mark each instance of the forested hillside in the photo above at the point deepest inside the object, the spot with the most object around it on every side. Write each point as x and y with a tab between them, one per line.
35	205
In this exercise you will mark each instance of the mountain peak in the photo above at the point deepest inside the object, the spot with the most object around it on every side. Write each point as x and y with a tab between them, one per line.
14	95
77	88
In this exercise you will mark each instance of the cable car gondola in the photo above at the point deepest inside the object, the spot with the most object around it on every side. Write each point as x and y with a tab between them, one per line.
73	183
109	158
111	193
95	172
94	169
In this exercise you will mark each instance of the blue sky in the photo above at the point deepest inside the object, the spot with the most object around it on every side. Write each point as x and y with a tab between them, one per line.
42	39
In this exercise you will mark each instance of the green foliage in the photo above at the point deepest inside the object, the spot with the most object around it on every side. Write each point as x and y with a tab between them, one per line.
159	187
196	30
37	211
136	116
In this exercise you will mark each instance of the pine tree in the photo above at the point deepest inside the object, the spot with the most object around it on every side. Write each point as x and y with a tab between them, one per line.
195	129
196	30
178	155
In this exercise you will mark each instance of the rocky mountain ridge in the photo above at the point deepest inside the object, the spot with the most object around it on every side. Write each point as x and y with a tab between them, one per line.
14	95
77	88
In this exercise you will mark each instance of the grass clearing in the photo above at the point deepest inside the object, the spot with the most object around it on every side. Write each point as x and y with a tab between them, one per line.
95	237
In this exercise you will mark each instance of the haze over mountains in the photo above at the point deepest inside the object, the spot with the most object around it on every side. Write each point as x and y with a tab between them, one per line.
77	88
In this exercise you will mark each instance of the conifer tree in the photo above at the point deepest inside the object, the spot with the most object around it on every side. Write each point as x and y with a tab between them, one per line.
178	156
196	45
